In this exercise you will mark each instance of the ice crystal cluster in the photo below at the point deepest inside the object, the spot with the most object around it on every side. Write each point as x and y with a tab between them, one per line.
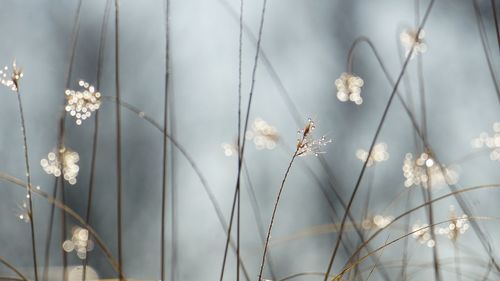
264	136
376	222
409	38
68	168
491	142
349	88
80	243
306	144
426	172
11	79
379	154
81	104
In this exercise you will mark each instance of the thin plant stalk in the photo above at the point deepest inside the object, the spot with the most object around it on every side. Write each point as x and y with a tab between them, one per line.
165	148
118	143
95	137
243	142
60	139
240	162
28	181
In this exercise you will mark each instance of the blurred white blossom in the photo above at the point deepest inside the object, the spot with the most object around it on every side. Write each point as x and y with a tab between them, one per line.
81	104
349	88
64	162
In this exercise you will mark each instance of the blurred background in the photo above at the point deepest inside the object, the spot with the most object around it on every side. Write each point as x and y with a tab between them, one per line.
304	47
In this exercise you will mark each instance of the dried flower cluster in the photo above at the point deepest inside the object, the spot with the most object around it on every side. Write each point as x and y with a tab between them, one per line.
425	171
409	38
263	135
492	142
68	168
81	104
11	80
376	222
349	88
306	144
379	154
79	242
458	225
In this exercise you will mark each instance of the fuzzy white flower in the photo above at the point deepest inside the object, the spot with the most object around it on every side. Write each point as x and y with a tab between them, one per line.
349	88
68	168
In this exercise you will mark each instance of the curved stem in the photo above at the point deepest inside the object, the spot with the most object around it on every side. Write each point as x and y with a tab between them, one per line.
192	163
274	212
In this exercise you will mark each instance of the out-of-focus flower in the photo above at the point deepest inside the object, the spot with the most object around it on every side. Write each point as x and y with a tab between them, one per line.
425	171
263	135
409	38
79	242
457	226
68	168
306	144
230	149
422	233
492	142
376	222
81	104
349	88
379	154
11	80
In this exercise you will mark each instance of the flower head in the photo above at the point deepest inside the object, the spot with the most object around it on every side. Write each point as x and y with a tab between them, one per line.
263	135
306	144
349	88
81	104
11	80
79	242
379	154
64	162
492	142
409	38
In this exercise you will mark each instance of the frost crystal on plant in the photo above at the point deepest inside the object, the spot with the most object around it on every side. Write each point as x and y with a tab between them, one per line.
379	154
492	142
349	88
263	135
425	171
306	144
409	38
81	104
79	242
11	80
69	167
